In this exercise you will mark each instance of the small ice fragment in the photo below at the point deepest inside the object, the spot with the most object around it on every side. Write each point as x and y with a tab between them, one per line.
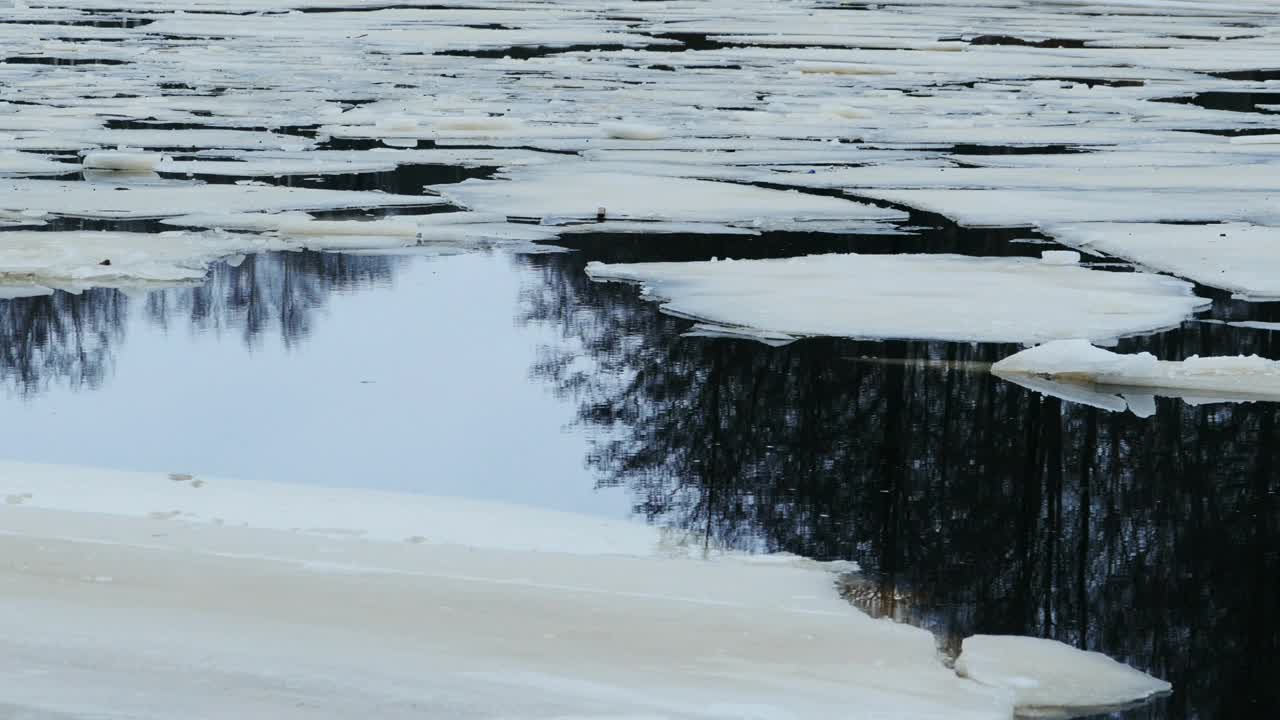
122	161
1079	361
1060	257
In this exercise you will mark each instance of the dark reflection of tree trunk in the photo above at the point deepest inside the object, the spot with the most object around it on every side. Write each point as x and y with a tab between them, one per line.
1087	456
973	505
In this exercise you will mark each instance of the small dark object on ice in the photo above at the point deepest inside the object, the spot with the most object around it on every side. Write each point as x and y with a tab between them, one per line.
105	262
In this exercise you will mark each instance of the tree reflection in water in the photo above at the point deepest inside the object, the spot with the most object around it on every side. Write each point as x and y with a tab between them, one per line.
277	293
974	505
71	338
60	337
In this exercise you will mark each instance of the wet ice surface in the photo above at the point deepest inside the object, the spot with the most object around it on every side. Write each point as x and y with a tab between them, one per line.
173	156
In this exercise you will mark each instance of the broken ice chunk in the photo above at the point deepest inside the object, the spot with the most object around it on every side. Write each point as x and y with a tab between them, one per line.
123	160
1050	677
1080	362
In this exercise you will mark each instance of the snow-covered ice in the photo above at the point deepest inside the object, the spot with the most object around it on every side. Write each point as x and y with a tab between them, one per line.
942	297
120	201
73	260
1239	257
298	602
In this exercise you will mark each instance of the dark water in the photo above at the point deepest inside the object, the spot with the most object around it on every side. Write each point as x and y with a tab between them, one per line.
974	505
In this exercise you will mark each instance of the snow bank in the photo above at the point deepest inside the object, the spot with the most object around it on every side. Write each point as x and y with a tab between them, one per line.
942	297
117	259
1077	361
1048	677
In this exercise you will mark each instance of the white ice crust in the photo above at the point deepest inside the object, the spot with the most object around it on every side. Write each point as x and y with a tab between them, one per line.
943	297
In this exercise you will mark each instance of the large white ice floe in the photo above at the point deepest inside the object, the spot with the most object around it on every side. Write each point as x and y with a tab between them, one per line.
1239	257
120	201
81	259
122	160
1051	678
579	193
1038	208
301	602
1079	363
112	259
942	297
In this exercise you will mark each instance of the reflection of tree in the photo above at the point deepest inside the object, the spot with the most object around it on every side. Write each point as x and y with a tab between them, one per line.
275	292
72	338
63	336
974	505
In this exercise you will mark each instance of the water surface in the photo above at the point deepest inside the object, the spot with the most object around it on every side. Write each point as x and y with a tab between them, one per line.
974	505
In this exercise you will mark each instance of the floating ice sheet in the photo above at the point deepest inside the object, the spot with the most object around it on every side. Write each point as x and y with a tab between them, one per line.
74	260
21	163
82	259
96	259
942	297
111	200
1049	677
1079	362
1242	258
580	193
416	604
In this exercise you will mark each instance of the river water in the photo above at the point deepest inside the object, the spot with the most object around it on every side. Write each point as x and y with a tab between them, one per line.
973	505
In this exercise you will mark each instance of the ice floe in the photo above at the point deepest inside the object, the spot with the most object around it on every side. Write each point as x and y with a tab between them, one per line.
122	160
1051	678
1077	362
74	260
114	200
415	604
21	163
579	193
942	297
